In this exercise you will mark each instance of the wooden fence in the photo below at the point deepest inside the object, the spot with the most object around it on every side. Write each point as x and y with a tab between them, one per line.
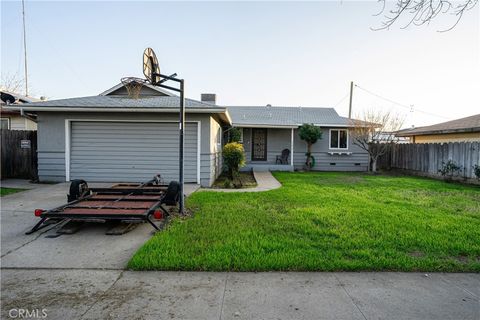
428	157
18	154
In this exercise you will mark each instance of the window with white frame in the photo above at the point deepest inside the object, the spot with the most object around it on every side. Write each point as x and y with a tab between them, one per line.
5	123
338	139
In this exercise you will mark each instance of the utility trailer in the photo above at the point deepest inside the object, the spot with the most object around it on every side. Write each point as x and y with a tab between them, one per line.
130	202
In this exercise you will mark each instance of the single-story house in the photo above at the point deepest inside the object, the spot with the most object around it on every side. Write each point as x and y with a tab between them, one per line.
13	119
112	137
267	130
459	130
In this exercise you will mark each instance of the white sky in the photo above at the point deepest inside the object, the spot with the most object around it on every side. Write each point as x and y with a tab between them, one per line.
294	54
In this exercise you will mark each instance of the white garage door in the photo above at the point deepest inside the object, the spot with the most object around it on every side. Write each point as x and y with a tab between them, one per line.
130	152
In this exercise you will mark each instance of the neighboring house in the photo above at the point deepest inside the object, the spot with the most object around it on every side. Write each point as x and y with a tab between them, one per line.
460	130
267	130
13	119
112	137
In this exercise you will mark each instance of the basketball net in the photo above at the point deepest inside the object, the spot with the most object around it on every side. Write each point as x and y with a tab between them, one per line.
133	86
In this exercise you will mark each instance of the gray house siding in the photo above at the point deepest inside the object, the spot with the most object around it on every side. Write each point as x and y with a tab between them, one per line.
279	139
51	140
356	161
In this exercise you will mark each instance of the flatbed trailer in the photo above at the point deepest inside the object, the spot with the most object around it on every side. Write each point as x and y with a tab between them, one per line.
131	202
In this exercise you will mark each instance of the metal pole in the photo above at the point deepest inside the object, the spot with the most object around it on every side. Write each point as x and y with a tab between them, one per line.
25	48
351	98
182	140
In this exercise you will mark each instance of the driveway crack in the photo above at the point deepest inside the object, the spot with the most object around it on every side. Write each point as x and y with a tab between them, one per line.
30	241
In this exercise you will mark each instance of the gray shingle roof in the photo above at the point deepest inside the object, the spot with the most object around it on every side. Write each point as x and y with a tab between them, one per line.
285	116
468	124
124	102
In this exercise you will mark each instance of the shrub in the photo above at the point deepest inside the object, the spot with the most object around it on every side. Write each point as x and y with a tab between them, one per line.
233	158
234	135
476	170
310	134
449	168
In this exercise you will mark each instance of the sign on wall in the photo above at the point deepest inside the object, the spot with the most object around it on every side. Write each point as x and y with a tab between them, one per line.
25	144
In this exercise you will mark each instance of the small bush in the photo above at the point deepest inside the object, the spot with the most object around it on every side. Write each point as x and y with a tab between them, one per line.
449	169
234	135
233	158
476	170
310	134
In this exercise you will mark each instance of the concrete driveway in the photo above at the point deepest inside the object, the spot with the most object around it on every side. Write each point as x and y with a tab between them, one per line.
88	248
82	276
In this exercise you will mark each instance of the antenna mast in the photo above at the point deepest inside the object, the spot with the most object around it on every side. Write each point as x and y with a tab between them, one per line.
25	48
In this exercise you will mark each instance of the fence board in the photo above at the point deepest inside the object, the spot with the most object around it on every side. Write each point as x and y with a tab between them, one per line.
18	161
429	158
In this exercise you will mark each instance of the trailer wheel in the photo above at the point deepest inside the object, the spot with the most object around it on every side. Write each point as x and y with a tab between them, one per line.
173	194
78	189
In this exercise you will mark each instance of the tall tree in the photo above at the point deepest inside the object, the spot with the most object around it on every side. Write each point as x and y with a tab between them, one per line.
419	12
374	131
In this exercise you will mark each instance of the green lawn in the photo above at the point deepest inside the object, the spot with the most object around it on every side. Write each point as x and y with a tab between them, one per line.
5	191
325	221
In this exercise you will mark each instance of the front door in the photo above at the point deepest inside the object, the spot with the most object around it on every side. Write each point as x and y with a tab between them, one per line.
259	144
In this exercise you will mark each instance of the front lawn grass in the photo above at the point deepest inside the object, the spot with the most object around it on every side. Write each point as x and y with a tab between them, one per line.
5	191
325	222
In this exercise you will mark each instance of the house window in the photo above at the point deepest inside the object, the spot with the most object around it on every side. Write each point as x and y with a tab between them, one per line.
219	137
5	123
338	139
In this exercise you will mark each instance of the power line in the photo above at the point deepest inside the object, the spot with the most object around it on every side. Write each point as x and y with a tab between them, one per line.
25	48
341	100
411	107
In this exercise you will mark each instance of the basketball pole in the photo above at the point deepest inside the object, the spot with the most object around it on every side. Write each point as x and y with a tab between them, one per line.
181	208
181	127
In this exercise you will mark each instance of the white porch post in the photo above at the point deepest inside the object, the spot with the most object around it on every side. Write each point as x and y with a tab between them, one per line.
291	149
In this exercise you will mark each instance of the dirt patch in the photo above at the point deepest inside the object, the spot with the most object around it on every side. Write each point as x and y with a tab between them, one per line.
244	180
416	254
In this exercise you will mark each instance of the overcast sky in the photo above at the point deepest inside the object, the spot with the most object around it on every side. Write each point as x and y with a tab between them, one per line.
279	53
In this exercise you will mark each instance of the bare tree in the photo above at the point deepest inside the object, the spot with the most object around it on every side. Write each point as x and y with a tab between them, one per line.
11	83
373	132
421	12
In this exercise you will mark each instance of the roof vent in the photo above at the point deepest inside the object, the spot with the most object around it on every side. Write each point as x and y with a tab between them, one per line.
243	117
300	108
208	98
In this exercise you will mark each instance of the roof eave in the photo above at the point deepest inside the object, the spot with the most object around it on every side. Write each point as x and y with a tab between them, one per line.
116	109
430	132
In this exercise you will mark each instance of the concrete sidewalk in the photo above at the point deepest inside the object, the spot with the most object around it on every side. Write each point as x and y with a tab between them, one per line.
117	294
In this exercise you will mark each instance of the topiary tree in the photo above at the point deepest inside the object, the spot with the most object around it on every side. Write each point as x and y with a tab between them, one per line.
233	158
310	134
234	135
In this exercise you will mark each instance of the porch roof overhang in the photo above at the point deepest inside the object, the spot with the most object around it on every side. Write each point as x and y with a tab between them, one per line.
272	126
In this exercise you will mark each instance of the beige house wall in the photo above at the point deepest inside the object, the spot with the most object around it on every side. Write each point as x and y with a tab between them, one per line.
20	123
447	137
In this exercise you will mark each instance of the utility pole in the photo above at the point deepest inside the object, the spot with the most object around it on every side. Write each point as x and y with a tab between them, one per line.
351	98
25	48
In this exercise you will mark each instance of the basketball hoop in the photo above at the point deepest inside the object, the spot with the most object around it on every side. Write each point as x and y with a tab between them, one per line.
133	86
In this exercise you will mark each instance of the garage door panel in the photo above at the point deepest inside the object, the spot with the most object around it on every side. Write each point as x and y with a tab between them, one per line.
125	151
